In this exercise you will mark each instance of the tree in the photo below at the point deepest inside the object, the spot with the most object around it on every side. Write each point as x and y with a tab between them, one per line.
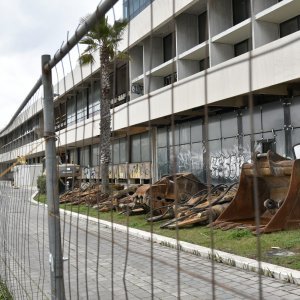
105	38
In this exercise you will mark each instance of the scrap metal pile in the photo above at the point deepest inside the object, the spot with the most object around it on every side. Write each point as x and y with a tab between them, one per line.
203	208
180	197
268	189
91	195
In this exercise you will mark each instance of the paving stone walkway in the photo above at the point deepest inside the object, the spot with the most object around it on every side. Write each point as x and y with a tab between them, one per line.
105	264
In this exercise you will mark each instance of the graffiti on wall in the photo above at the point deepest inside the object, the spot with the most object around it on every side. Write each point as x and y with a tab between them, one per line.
140	170
225	165
228	164
88	172
188	160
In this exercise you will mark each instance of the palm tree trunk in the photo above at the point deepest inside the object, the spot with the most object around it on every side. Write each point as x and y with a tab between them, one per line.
105	129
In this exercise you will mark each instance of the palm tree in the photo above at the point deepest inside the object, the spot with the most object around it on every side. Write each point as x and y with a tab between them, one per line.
105	38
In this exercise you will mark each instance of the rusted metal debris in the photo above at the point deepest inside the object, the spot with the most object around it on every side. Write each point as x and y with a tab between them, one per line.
182	192
269	186
158	196
203	208
91	195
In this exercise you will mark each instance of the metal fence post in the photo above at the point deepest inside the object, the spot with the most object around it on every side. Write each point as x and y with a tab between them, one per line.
55	255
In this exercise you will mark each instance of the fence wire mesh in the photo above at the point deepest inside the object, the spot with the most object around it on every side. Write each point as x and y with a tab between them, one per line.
178	143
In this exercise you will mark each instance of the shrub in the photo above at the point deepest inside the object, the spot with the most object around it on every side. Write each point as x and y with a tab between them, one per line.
4	292
41	184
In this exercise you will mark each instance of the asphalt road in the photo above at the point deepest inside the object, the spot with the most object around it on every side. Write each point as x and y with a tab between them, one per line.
105	264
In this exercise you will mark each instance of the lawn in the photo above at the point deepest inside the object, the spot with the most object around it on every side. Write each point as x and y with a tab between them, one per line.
236	241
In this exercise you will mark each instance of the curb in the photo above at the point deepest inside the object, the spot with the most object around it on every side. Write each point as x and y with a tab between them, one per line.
269	270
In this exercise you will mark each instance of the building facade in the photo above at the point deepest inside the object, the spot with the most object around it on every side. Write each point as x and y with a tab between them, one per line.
188	59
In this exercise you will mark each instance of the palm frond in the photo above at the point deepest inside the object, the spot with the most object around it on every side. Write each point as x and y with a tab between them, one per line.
86	58
103	34
119	26
88	40
121	56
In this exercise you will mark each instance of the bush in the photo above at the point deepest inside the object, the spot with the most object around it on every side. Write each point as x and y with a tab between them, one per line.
4	292
41	184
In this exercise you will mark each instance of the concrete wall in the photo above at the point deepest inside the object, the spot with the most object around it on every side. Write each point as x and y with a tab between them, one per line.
186	32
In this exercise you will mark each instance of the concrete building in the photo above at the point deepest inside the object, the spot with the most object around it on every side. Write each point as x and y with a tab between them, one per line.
184	54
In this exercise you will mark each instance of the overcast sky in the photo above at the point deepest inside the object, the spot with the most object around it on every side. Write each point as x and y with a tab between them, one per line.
28	29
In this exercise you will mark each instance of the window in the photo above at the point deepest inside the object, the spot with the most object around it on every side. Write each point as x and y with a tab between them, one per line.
60	116
132	8
241	48
240	10
169	46
204	64
95	159
119	151
169	79
121	80
202	27
71	111
81	105
85	154
290	26
263	146
140	148
118	85
94	98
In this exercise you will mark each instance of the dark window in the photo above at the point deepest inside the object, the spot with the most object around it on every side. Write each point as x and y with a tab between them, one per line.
267	145
240	10
60	116
290	26
202	27
121	80
169	46
170	79
241	48
204	64
118	85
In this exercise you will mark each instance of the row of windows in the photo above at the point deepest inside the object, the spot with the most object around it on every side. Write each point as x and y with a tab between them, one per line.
22	135
132	8
139	145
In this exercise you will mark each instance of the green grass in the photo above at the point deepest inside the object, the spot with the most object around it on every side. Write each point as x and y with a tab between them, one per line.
4	292
236	241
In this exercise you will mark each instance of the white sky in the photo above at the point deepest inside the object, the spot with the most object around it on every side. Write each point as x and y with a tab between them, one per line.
29	29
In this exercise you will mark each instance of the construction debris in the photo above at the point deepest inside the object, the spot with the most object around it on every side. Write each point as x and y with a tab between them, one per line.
203	208
158	196
193	202
91	195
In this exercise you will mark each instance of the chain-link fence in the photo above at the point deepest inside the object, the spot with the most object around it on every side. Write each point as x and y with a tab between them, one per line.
174	198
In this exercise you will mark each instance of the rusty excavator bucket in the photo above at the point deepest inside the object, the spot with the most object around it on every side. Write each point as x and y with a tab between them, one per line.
165	191
275	181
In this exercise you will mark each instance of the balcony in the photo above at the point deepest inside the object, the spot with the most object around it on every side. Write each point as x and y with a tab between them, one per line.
234	34
280	12
198	52
164	69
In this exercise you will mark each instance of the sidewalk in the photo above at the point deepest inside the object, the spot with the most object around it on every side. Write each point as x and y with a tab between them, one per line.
269	270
